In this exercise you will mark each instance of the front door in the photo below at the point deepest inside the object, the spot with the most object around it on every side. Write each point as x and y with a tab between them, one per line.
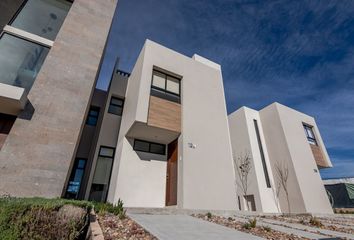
171	176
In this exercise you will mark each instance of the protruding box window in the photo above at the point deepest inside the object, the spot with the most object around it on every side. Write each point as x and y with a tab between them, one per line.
150	147
20	61
42	17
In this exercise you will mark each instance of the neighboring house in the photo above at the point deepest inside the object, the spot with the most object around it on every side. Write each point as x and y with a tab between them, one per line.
50	54
278	137
340	192
157	137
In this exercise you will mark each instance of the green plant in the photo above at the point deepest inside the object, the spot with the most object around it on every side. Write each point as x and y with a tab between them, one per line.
267	229
315	222
209	215
116	209
252	223
230	219
39	218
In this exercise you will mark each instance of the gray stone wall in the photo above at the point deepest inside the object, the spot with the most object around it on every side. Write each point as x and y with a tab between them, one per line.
37	155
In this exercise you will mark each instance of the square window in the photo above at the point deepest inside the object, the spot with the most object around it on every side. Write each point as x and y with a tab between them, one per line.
116	106
92	117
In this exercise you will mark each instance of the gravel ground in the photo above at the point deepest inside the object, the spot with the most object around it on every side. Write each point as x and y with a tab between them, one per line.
115	228
258	231
324	223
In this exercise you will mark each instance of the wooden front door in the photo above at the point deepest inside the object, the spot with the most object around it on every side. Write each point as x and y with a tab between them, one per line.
171	176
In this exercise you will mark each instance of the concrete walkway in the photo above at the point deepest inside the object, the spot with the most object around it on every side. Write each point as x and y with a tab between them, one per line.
183	227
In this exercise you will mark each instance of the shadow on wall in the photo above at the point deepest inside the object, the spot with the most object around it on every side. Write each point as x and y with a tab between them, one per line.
145	156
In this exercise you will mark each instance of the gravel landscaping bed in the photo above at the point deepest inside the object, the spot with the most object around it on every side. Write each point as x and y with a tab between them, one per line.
115	228
263	232
323	223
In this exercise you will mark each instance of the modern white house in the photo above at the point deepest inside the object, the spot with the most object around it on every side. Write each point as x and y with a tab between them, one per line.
278	138
158	137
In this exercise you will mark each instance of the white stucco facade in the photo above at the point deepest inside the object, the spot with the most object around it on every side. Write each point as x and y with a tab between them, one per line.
284	143
205	171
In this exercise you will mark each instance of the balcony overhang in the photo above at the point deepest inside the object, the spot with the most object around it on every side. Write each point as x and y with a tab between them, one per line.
145	132
12	99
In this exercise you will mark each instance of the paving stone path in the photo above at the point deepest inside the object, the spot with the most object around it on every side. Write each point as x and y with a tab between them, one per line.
184	227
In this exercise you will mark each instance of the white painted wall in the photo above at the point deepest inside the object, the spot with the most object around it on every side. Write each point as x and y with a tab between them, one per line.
244	139
206	177
286	142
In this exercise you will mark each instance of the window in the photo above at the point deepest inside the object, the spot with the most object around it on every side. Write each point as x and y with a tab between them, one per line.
20	61
92	117
42	17
102	175
150	147
309	134
76	179
264	164
165	86
116	106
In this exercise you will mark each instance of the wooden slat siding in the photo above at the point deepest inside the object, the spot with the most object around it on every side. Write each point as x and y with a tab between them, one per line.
164	114
318	155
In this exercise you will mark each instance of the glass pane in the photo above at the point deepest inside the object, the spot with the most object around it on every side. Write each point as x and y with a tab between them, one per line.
93	113
103	170
117	101
158	80
157	148
106	152
115	110
172	85
20	61
310	133
81	163
42	17
141	146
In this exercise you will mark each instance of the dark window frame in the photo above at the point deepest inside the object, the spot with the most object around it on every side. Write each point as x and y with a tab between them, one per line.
307	128
149	151
94	108
115	105
260	146
110	174
164	90
73	172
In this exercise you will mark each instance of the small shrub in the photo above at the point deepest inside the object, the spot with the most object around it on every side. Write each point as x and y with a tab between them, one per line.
116	209
315	222
230	219
252	223
267	229
302	221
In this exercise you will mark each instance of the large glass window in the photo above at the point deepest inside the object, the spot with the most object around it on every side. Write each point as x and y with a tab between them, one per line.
76	179
165	86
42	17
102	175
309	134
20	61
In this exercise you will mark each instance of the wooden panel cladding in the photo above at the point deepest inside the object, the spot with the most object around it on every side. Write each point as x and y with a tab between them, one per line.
164	114
318	155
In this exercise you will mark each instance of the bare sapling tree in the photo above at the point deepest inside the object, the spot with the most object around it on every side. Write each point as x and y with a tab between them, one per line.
243	167
282	171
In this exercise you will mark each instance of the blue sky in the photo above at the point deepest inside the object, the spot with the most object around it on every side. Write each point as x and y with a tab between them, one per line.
298	53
